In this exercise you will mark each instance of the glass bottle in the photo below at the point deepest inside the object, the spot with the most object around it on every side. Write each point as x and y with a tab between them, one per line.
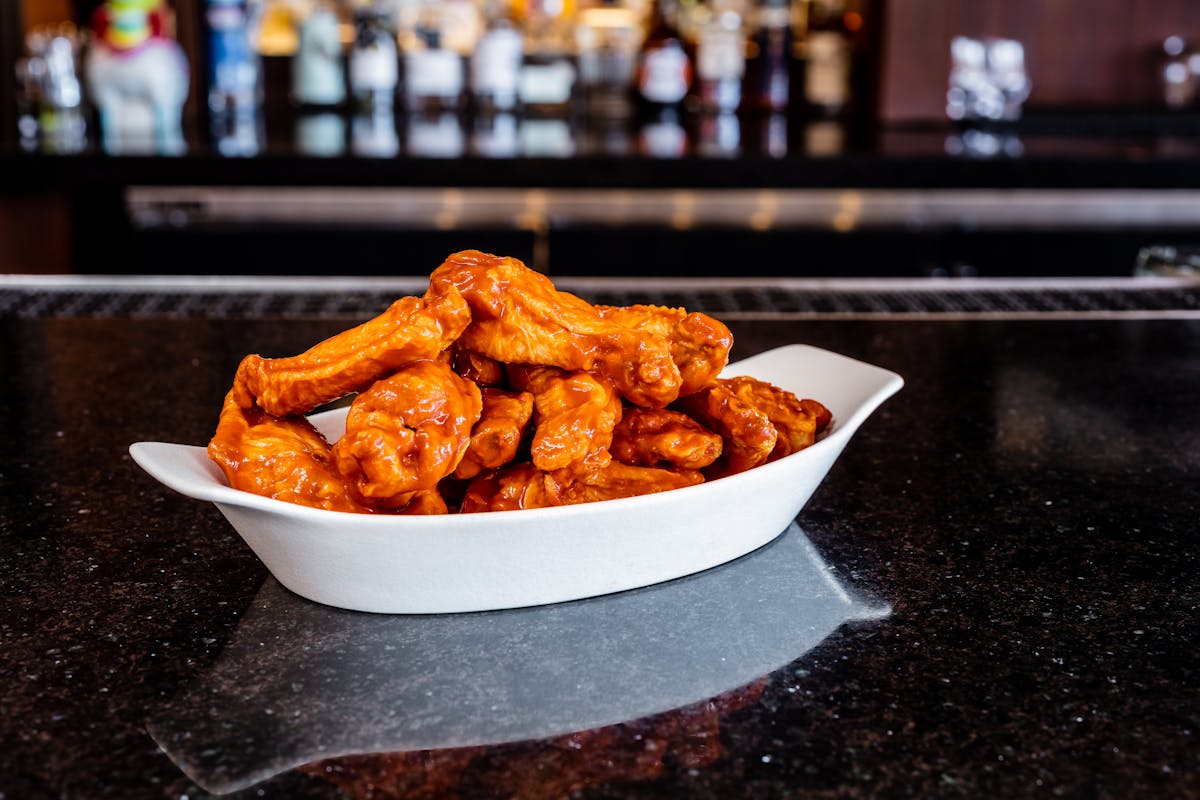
432	134
827	58
721	58
496	60
234	70
664	72
608	37
318	74
768	57
548	72
433	73
495	136
374	61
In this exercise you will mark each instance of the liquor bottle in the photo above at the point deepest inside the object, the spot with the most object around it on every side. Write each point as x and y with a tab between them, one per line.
496	61
373	135
433	134
721	58
828	57
320	133
495	135
318	74
608	36
374	62
49	93
235	78
664	72
548	82
768	57
234	69
719	136
433	73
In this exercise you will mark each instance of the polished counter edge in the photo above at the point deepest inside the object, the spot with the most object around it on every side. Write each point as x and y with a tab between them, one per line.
1149	297
258	283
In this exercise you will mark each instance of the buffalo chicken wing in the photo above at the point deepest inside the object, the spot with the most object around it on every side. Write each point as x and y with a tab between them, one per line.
518	317
411	329
699	344
574	416
495	391
650	437
407	432
498	435
285	458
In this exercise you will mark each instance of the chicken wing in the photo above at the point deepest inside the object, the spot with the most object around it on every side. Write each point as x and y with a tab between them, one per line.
510	488
749	437
407	432
700	345
412	328
286	459
797	421
477	367
497	436
519	317
651	437
615	480
424	503
574	415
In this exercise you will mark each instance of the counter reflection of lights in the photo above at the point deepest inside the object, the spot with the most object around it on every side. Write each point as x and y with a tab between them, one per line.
452	203
765	211
850	206
684	214
532	216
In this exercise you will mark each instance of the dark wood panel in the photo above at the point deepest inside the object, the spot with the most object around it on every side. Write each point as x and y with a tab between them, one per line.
1099	54
36	233
11	45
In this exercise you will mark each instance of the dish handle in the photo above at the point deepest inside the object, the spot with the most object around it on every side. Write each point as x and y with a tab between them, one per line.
185	468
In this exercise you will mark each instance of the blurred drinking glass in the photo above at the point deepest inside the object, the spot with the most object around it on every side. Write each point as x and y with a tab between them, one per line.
988	80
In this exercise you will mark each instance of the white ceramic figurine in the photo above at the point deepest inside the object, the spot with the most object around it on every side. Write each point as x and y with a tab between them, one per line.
137	77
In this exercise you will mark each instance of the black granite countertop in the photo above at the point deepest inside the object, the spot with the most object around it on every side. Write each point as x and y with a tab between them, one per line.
1009	545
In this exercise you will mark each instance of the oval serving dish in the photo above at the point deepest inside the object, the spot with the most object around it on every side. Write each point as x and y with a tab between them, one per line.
509	559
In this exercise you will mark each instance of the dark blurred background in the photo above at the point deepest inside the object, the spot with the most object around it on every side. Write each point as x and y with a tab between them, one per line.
846	152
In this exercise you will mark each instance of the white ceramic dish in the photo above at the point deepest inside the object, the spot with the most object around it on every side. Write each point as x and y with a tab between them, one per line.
509	559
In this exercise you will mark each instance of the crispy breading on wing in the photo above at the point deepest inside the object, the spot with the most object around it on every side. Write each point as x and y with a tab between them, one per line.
497	436
700	345
509	488
412	328
407	431
615	480
286	459
798	421
651	437
519	317
574	415
749	437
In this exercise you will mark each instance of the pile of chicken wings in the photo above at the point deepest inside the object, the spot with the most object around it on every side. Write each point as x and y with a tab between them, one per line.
495	391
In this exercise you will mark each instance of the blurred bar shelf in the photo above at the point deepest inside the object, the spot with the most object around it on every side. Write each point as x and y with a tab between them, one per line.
1029	200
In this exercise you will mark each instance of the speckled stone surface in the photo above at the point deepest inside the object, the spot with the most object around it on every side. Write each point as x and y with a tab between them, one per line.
1027	506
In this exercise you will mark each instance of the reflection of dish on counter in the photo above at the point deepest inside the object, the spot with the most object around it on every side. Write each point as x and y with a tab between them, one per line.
302	682
520	558
561	766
